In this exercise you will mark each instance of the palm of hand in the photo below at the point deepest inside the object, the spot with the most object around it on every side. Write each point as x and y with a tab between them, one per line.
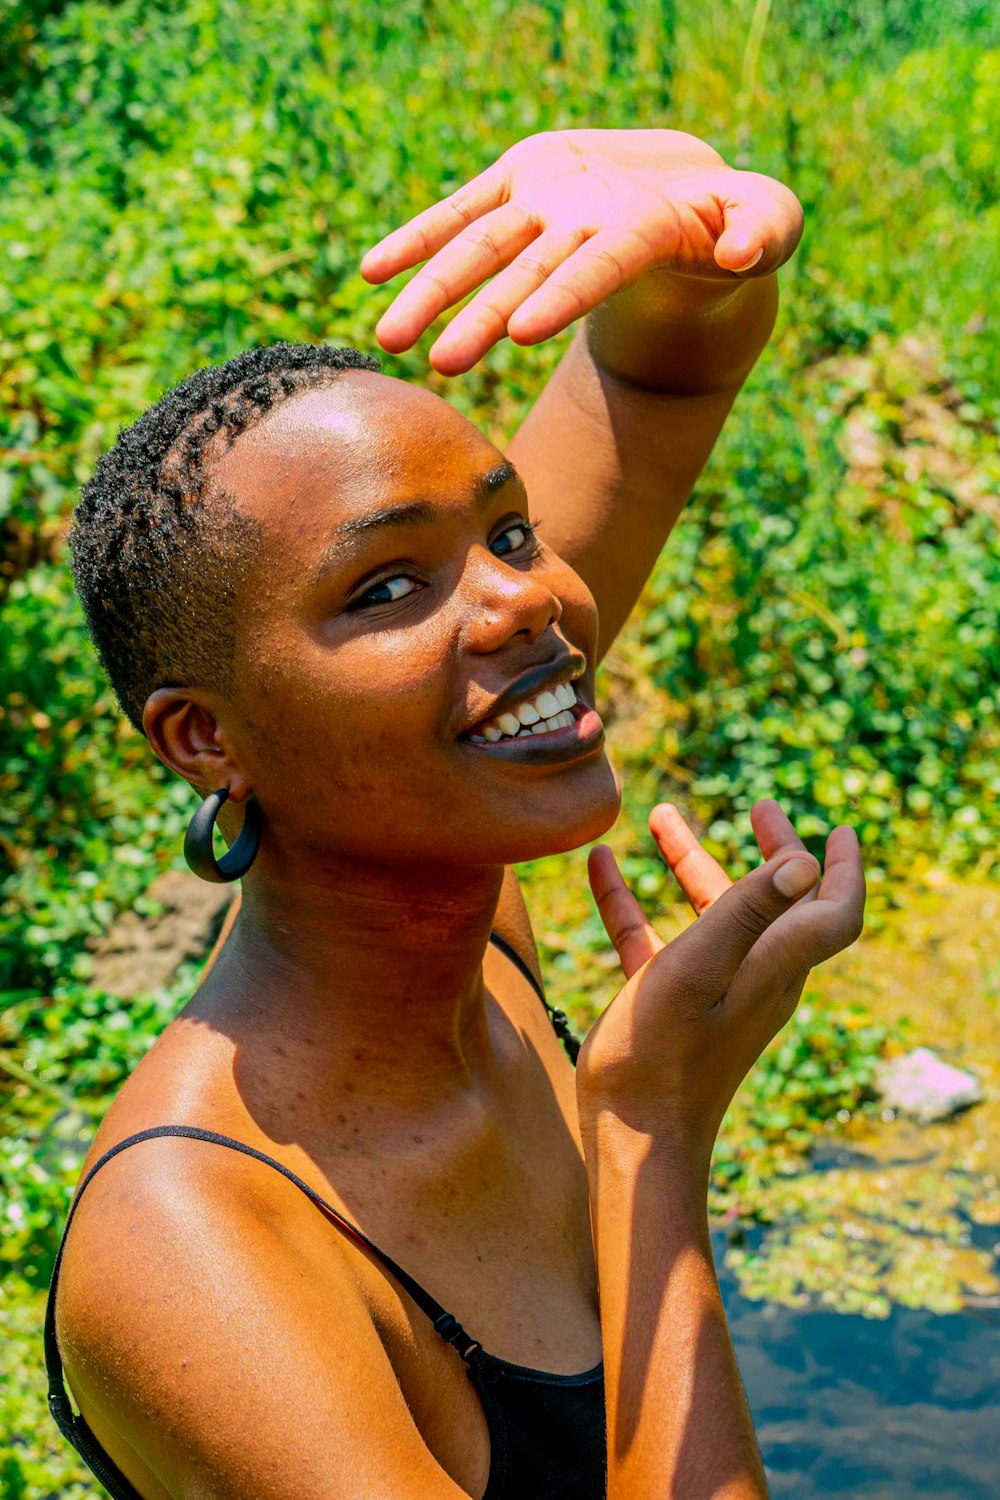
694	1014
583	182
567	218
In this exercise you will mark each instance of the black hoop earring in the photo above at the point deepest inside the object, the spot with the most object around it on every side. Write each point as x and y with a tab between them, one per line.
198	840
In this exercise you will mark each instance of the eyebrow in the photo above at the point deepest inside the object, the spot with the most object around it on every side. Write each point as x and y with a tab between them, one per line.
412	512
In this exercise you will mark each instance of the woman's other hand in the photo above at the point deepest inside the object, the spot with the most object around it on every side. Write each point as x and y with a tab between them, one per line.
564	219
668	1054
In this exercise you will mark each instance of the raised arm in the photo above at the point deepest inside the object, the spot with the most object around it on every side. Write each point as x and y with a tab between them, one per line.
671	259
612	448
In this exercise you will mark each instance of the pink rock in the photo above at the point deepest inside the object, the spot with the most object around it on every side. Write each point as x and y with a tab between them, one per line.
923	1086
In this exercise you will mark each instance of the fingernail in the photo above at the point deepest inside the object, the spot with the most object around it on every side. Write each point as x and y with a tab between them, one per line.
795	877
750	263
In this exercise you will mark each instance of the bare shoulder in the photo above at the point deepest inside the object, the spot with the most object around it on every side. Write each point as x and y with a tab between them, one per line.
195	1355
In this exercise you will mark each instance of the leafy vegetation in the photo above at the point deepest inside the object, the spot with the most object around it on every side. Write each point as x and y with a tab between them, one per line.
183	178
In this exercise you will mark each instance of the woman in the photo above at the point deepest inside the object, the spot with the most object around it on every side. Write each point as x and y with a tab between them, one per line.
319	593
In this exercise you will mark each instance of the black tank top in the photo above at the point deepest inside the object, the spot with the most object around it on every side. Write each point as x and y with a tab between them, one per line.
547	1432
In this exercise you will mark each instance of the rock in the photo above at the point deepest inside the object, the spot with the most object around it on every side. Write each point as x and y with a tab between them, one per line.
923	1086
863	448
142	953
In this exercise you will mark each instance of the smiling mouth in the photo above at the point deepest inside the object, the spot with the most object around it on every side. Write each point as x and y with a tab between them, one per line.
552	726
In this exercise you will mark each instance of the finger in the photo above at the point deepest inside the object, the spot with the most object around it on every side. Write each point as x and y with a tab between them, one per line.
479	326
424	234
707	955
605	263
763	225
843	872
814	931
773	830
483	249
624	919
700	877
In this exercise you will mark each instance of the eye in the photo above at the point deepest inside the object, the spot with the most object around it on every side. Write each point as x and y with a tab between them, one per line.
386	591
514	537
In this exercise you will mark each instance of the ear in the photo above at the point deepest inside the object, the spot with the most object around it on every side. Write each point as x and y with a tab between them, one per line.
186	733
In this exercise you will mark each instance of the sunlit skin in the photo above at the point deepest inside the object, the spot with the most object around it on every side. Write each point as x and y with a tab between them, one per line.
356	1023
345	725
385	831
565	219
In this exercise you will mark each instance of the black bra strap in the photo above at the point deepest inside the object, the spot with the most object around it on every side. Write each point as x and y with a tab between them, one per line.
559	1019
74	1428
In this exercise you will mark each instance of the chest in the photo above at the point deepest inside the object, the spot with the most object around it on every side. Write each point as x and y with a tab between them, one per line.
519	1278
500	1239
502	1242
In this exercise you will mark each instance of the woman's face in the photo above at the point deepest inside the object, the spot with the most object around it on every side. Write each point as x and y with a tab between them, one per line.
398	607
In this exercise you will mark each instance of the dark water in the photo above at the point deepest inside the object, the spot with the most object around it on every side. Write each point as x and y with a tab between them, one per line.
902	1409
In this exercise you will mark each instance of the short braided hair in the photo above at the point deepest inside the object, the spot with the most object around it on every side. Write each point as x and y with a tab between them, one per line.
158	554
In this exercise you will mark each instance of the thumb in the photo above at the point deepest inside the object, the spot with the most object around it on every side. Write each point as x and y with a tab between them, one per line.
624	919
740	246
762	226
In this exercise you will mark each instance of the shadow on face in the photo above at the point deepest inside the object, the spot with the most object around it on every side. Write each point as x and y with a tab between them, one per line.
397	595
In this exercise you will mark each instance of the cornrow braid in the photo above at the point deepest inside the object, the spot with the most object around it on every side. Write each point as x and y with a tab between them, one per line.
158	553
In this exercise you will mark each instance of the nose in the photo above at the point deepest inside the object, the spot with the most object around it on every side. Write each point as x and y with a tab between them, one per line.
505	602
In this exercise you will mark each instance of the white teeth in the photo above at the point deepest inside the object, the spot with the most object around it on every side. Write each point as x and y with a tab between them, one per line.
560	720
550	710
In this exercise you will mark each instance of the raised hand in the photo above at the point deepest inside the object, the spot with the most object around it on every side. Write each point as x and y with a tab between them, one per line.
564	219
671	1049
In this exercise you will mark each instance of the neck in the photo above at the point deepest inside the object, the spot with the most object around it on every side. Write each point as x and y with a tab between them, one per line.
363	985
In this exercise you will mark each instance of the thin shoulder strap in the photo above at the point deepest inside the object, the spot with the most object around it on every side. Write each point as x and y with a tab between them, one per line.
559	1019
74	1428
